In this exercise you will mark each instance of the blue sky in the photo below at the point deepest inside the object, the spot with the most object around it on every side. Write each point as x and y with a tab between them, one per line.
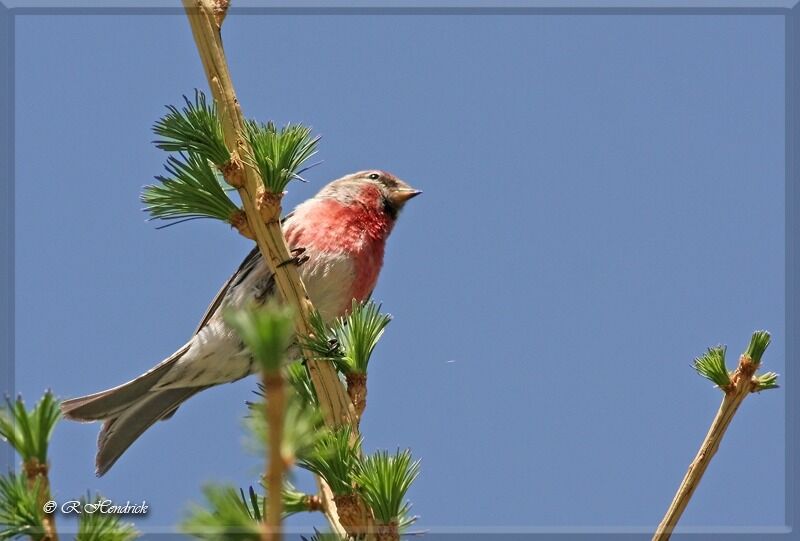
604	199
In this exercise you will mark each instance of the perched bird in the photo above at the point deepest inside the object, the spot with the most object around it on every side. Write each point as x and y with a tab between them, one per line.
341	233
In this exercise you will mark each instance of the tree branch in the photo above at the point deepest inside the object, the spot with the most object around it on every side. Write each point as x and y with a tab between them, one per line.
742	384
263	212
263	219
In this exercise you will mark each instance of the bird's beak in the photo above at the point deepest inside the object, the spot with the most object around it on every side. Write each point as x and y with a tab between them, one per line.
402	195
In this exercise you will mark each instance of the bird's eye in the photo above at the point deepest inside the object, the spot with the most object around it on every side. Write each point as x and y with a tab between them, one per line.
374	176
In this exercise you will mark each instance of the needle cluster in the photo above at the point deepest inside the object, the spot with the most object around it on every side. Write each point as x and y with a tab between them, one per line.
349	342
23	494
196	184
374	486
20	512
103	526
711	365
383	481
736	385
279	153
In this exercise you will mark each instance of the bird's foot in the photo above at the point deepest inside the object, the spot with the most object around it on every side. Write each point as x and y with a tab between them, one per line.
298	257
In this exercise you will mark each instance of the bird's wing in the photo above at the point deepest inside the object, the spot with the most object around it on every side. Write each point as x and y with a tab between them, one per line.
241	273
244	269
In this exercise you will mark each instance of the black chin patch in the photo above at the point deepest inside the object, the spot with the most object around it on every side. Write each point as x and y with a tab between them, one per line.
390	209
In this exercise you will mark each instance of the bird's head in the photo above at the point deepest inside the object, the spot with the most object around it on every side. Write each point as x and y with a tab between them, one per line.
373	189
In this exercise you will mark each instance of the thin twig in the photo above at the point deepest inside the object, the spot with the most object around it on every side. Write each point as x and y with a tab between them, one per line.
276	464
742	384
329	507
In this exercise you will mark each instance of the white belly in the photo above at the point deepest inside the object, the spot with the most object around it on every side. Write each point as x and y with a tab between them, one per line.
216	354
329	282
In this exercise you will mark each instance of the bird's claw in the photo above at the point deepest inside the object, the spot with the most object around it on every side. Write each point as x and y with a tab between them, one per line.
298	257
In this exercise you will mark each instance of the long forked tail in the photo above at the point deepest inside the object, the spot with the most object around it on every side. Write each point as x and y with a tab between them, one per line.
128	410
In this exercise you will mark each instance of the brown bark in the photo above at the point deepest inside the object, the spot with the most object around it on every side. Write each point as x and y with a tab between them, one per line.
353	514
36	471
357	391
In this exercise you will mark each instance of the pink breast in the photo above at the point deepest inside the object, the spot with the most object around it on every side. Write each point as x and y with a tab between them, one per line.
360	231
368	266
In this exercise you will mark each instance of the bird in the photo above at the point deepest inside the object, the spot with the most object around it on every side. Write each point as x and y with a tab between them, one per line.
338	236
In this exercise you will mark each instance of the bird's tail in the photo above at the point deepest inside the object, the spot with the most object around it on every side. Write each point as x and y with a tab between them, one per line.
121	430
128	410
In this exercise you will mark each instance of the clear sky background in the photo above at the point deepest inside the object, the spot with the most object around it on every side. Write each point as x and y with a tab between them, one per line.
604	199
